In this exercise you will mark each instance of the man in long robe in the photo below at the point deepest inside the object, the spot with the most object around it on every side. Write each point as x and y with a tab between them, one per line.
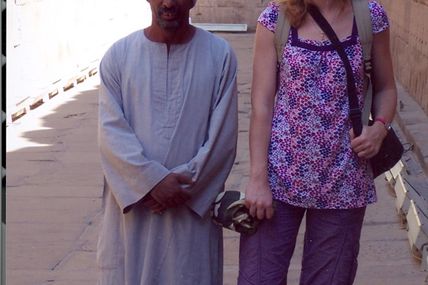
167	136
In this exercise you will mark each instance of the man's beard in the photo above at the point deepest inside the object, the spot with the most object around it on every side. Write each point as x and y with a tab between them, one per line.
165	24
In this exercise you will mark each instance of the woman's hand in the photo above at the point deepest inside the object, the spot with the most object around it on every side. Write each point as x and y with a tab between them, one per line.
258	199
369	142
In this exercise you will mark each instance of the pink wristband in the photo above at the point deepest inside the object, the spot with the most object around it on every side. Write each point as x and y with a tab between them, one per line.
380	119
383	121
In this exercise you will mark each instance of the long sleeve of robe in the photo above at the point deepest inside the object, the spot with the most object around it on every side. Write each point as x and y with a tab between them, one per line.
159	113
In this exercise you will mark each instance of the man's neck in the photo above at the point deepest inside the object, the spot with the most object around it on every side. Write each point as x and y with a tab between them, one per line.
179	35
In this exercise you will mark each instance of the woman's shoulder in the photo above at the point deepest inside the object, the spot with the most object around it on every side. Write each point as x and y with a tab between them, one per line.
269	16
378	16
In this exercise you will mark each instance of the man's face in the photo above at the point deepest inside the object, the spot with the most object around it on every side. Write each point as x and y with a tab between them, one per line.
170	14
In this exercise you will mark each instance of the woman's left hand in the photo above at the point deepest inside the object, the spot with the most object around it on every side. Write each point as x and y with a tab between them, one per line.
368	143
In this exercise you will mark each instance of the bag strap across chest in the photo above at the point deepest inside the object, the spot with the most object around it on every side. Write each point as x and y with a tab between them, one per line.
362	18
364	25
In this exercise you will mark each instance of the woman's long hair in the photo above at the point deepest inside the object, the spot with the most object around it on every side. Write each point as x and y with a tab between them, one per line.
296	10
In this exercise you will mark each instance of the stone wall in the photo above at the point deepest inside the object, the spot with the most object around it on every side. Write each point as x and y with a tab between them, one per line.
228	11
409	43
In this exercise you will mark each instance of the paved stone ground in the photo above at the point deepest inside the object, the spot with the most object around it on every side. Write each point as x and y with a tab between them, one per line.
54	189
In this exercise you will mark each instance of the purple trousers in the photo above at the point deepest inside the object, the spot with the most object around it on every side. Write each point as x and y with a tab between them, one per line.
331	246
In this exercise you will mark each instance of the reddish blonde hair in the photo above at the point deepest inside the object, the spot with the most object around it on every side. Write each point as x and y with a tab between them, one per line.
296	10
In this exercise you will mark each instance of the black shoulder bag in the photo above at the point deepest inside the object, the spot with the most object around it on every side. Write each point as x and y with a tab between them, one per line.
391	149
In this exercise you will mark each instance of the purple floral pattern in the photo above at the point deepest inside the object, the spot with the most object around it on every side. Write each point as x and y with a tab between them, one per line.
311	163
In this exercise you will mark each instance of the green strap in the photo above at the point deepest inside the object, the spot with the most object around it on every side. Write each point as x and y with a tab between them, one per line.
281	33
364	25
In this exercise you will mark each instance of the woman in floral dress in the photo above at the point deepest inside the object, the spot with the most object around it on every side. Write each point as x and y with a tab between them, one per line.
304	155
